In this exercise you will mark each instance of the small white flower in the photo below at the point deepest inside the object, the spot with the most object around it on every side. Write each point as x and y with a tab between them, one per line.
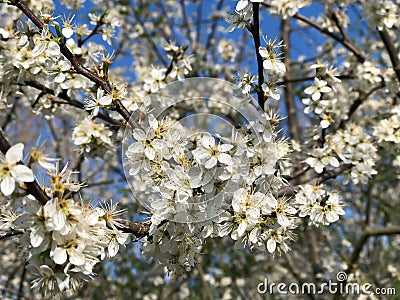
11	171
316	90
95	103
67	32
320	159
271	61
243	3
210	153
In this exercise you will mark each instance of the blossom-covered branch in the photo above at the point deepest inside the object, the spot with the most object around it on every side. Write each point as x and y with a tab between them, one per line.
79	68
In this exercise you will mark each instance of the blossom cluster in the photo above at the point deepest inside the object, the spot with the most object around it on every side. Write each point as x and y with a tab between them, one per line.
273	66
198	177
64	238
321	206
91	136
382	13
322	99
201	185
388	129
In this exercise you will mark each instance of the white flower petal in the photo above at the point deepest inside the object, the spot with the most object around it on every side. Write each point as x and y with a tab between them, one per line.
150	153
241	5
271	245
60	256
67	32
113	248
225	158
22	173
208	141
46	271
316	96
331	216
15	154
53	48
37	236
225	147
334	162
38	50
242	228
210	163
77	258
106	100
58	220
7	186
263	52
60	78
139	134
283	220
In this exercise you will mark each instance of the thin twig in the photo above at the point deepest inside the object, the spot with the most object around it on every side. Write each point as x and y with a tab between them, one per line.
9	116
22	281
9	234
94	31
309	78
346	43
69	101
255	32
290	190
361	98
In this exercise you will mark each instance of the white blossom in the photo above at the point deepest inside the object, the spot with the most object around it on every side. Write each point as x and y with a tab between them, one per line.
11	171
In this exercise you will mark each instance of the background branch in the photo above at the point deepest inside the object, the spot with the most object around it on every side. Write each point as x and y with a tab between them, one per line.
342	40
393	53
293	122
367	233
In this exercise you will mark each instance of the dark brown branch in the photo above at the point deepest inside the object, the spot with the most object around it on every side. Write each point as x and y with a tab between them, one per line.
340	26
147	36
22	281
213	28
186	23
297	174
10	234
37	99
347	44
78	67
68	100
9	116
393	53
94	31
295	273
255	32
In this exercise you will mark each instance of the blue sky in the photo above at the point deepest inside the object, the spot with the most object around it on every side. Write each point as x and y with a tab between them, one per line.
269	26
